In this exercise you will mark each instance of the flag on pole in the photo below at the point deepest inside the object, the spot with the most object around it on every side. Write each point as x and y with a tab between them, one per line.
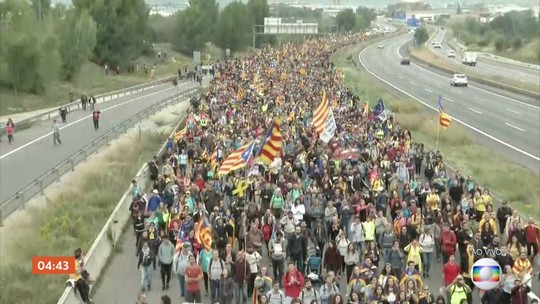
204	232
321	114
236	160
330	127
380	110
444	119
180	134
271	145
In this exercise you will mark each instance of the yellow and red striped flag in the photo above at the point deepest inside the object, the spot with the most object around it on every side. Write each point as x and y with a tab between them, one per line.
180	134
444	119
280	100
236	160
321	114
271	144
240	94
203	232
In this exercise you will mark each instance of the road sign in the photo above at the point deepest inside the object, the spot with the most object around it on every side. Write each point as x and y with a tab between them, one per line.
196	57
413	22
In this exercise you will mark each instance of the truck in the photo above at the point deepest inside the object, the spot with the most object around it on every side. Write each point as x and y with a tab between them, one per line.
469	58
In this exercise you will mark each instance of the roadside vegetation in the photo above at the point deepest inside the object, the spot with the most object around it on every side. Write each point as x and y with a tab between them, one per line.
71	216
515	35
518	185
50	51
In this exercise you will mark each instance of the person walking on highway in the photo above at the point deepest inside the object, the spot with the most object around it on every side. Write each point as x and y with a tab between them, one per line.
56	133
63	114
166	257
147	260
95	118
92	101
10	128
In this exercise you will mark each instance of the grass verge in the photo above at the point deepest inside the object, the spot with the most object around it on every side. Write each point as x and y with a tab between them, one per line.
519	185
72	218
426	55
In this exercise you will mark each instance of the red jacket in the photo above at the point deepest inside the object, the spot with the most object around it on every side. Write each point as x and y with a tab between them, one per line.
532	233
293	287
448	242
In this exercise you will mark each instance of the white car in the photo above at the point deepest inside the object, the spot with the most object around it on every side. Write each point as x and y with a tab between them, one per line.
459	80
437	45
380	46
451	54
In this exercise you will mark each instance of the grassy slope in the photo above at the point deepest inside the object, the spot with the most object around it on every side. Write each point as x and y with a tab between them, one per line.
71	219
91	80
518	185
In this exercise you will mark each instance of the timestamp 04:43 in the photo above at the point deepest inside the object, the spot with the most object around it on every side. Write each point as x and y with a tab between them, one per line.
53	265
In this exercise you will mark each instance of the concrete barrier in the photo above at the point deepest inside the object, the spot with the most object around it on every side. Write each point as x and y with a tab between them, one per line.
103	247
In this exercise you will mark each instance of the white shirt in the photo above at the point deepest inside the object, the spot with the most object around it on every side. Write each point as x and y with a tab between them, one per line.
426	242
298	212
253	260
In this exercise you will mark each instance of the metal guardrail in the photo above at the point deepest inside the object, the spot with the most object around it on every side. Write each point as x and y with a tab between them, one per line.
94	262
72	106
38	186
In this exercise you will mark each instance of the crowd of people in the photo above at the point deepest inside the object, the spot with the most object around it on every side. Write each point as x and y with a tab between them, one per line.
360	219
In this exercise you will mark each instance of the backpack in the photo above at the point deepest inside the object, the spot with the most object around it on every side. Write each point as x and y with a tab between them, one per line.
314	293
280	296
220	263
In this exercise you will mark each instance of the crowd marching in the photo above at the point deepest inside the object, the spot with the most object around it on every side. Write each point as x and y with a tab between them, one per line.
283	185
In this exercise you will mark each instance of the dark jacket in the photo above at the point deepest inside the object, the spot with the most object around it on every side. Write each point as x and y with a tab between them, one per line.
226	287
150	260
241	271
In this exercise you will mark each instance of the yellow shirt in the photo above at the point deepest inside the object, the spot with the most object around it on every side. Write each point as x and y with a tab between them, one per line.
433	200
492	223
480	204
76	276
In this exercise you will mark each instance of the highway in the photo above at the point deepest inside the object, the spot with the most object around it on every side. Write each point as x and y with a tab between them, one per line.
485	67
33	153
506	123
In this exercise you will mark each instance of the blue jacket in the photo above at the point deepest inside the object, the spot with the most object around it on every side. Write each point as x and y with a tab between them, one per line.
153	202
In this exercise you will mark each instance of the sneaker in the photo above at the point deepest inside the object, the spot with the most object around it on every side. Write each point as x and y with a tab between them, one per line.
167	286
163	287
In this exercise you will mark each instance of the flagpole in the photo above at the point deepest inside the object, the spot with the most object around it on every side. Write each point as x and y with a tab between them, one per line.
438	133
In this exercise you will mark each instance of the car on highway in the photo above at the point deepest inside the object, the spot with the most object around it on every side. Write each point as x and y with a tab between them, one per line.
451	54
437	45
380	46
459	80
405	61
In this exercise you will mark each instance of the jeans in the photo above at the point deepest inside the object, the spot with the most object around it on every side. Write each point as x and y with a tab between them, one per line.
386	254
214	289
56	138
299	259
166	273
277	265
240	293
182	282
426	260
146	277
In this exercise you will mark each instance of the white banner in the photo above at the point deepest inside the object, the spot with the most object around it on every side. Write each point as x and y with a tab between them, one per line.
330	128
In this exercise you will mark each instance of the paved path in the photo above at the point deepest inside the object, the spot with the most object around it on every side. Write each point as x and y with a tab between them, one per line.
121	281
504	121
33	153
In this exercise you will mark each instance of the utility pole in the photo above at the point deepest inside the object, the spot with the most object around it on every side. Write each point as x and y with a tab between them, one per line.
39	11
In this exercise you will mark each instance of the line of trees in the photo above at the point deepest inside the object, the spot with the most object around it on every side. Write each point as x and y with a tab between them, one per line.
511	30
42	44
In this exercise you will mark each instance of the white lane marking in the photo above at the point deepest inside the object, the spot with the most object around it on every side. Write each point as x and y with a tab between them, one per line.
480	99
476	111
474	87
86	117
412	82
437	110
512	111
400	77
428	90
512	126
446	98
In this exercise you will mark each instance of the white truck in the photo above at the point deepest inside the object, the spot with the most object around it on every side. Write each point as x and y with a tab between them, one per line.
469	58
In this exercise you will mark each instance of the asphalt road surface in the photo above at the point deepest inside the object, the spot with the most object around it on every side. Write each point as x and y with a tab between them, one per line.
121	282
32	153
505	122
485	67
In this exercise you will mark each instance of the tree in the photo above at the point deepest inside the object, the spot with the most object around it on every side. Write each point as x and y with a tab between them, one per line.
29	49
259	10
365	17
234	27
78	31
122	29
194	26
346	20
41	8
421	35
